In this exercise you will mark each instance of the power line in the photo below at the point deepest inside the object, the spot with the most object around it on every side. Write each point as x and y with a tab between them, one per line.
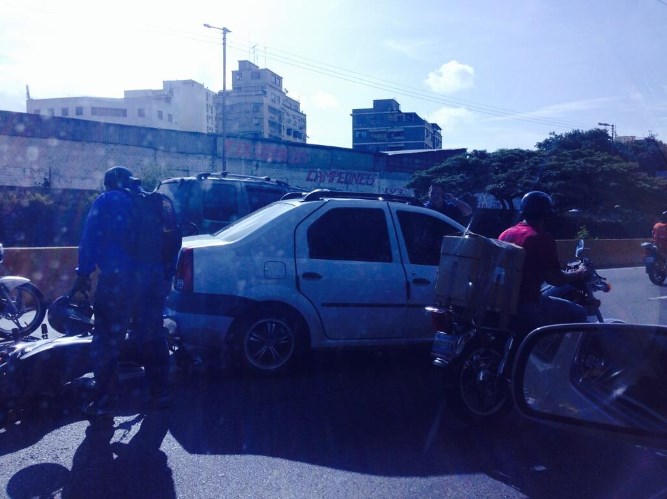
370	81
331	71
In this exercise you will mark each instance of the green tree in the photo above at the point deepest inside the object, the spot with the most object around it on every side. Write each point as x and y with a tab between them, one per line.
582	170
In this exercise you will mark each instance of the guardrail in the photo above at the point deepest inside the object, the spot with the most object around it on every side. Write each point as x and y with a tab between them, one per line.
52	269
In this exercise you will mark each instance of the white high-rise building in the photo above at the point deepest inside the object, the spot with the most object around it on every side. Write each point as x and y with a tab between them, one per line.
258	106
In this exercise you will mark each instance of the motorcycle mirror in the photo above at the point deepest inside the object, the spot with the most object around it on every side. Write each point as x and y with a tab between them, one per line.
581	250
609	377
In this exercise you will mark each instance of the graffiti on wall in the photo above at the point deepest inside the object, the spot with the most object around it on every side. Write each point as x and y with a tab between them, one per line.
345	177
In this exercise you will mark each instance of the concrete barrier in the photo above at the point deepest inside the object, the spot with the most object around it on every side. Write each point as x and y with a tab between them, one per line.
52	269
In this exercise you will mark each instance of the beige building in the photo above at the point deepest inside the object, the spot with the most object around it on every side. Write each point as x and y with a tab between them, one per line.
183	105
258	106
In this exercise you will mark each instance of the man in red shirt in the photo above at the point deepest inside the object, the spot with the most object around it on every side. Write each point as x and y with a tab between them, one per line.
541	265
660	233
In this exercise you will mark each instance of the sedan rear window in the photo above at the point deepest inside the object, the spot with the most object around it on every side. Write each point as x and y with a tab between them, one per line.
357	234
252	222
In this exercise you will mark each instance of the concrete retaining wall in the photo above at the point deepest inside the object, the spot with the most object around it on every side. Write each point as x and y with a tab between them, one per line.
606	253
52	269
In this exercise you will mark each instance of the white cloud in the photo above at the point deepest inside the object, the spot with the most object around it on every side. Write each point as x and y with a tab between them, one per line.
451	77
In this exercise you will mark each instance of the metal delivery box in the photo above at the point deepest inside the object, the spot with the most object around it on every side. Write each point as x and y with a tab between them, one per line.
479	274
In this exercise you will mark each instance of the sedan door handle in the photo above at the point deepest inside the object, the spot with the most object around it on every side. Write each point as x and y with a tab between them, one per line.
420	281
311	276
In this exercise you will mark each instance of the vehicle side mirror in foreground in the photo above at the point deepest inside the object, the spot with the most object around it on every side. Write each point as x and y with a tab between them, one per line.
609	377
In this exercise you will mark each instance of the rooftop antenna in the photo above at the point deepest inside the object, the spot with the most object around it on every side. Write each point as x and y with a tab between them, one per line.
27	92
254	54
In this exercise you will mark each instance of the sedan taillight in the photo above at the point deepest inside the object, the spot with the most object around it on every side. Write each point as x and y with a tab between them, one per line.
441	319
183	281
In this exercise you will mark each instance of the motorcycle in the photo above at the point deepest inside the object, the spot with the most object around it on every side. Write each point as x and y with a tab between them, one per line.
35	372
22	306
655	263
478	357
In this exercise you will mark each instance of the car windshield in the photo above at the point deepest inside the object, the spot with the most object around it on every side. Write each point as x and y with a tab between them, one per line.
336	168
252	222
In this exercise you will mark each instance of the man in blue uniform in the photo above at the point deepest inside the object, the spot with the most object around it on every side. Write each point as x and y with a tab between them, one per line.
130	288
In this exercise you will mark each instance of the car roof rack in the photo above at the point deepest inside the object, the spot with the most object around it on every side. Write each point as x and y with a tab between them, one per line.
319	194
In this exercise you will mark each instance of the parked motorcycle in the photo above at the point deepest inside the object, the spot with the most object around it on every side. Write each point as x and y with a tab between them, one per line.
35	372
478	357
654	261
22	306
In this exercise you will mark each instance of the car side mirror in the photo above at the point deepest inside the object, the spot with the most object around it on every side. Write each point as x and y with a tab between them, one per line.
610	377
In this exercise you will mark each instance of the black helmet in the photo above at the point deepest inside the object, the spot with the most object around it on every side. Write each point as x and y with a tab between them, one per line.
70	318
118	177
536	204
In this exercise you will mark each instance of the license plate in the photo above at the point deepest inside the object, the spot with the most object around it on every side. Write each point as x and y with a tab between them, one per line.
444	346
649	260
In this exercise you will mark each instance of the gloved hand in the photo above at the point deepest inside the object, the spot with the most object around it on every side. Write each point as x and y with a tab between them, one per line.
82	284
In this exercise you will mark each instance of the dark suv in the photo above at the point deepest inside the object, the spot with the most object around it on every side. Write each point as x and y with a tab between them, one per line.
209	201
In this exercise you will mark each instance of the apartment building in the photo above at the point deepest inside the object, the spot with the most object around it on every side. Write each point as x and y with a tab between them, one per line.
258	106
384	127
183	105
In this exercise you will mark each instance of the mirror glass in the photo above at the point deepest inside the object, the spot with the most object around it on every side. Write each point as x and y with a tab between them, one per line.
600	375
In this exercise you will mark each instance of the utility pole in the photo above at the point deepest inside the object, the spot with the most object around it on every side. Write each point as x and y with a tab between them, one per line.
224	92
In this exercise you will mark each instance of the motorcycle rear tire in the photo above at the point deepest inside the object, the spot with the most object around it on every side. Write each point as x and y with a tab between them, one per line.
476	393
657	273
32	310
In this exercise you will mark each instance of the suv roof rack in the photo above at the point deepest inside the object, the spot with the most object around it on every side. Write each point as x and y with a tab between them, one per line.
205	175
319	194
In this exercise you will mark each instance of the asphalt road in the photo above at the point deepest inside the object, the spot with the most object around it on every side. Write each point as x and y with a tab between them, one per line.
363	424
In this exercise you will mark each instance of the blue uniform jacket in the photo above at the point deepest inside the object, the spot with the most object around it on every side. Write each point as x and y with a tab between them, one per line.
108	235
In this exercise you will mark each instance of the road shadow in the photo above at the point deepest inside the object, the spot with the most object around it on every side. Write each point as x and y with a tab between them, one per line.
375	413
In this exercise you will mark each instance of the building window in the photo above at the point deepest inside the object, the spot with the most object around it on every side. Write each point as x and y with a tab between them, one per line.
78	110
64	111
159	115
254	75
141	112
52	112
36	111
170	118
108	111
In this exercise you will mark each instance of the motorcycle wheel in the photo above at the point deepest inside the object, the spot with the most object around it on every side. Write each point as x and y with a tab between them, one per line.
657	273
477	393
29	314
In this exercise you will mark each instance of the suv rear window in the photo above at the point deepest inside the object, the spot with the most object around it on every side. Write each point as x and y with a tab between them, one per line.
220	202
259	196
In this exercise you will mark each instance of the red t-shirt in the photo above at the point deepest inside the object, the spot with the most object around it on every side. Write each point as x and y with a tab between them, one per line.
540	254
660	235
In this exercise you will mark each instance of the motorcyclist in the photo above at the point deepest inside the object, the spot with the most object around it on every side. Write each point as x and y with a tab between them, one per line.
130	288
660	233
541	265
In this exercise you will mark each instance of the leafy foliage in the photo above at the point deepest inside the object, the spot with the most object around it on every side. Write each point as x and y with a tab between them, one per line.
584	171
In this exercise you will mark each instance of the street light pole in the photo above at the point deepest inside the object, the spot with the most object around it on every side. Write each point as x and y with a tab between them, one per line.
613	129
224	92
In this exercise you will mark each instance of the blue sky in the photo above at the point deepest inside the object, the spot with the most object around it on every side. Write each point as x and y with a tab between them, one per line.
491	74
